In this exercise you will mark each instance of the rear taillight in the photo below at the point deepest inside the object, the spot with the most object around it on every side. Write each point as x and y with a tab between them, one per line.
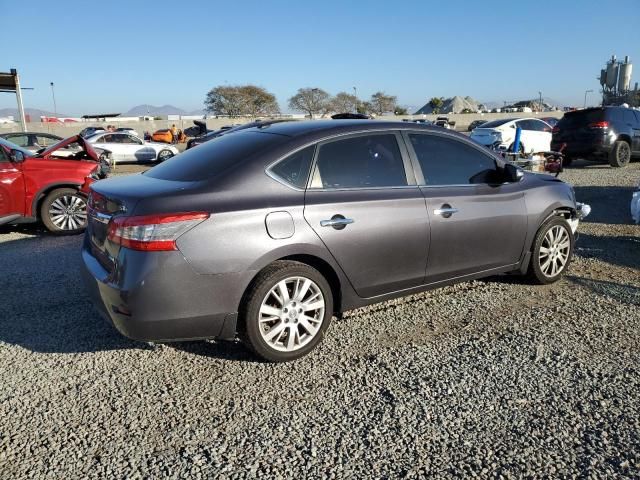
153	232
599	125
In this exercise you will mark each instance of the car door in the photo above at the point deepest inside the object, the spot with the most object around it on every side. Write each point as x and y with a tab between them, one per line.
542	131
477	222
364	205
632	119
11	186
108	141
141	151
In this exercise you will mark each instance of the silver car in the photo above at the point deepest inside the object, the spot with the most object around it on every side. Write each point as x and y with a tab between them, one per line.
267	233
125	147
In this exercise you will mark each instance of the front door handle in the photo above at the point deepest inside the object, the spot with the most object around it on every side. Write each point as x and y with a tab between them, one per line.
337	221
445	211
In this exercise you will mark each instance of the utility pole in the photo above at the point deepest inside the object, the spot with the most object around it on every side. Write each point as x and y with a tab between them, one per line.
55	108
540	104
355	94
23	121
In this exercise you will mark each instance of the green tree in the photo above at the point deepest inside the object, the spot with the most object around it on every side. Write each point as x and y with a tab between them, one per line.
343	102
401	111
312	101
381	103
240	100
436	104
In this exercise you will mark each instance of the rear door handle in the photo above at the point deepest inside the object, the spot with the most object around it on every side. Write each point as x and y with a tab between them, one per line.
337	221
445	211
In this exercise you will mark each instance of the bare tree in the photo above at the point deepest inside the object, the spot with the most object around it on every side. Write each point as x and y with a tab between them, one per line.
240	100
382	103
311	101
343	102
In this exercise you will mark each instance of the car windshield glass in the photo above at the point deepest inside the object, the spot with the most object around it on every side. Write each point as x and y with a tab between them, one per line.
581	118
13	146
214	157
497	123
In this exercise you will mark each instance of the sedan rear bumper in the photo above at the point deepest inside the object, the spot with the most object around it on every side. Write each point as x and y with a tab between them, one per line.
160	298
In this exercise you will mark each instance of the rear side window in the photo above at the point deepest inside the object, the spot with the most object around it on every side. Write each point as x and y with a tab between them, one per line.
215	156
445	161
294	169
365	161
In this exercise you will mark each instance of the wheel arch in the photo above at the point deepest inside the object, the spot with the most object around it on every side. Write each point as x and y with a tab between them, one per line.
44	191
624	137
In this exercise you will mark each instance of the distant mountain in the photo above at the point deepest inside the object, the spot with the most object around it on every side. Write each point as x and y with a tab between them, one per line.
141	110
34	113
197	112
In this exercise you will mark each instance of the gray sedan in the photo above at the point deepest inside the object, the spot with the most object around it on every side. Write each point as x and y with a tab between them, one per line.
267	233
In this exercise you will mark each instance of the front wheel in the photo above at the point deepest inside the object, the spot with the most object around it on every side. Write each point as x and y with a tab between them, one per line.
286	311
552	251
164	155
64	211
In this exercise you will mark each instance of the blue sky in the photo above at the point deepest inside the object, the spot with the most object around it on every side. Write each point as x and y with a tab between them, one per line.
110	56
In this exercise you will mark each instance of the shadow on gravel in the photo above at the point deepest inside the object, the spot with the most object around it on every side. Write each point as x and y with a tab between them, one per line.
608	204
622	293
234	351
623	251
44	306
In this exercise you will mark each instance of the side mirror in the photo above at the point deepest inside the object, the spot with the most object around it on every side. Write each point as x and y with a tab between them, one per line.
512	174
16	156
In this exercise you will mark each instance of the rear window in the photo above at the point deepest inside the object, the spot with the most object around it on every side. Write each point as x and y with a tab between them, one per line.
214	157
497	123
581	118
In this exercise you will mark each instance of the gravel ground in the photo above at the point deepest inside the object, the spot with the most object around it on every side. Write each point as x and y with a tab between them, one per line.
489	378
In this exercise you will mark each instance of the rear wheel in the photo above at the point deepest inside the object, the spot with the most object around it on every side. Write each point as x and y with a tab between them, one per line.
286	311
620	154
64	211
164	155
552	251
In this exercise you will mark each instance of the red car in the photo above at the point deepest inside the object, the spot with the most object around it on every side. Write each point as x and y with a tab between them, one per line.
51	186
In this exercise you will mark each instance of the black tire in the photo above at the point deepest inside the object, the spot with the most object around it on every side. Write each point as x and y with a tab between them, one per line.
536	272
620	154
64	211
250	311
164	155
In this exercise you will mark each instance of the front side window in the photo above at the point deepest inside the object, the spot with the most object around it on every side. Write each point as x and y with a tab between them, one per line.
294	169
360	162
446	161
44	141
20	140
131	140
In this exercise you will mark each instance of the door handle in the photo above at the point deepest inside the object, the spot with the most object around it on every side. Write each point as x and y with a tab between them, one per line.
445	211
337	221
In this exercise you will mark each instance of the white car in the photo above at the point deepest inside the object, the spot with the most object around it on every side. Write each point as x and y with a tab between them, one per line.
129	148
128	130
501	134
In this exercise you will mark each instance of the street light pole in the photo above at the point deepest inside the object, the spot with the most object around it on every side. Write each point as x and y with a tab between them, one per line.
540	104
585	97
355	94
53	94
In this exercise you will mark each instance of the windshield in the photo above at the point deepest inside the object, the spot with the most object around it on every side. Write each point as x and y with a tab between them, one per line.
13	146
214	157
497	123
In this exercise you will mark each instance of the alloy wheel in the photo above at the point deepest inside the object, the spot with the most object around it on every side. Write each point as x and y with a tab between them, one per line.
554	251
291	314
68	212
164	155
624	153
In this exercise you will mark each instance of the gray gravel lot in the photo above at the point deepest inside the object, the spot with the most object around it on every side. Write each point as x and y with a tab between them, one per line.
489	378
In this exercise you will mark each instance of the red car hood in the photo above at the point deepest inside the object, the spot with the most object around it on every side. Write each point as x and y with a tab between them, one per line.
68	141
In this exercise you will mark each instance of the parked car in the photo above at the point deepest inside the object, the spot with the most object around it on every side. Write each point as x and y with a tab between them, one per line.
269	232
601	133
46	186
128	130
475	124
89	131
350	116
32	141
198	129
444	122
535	134
129	148
162	136
194	142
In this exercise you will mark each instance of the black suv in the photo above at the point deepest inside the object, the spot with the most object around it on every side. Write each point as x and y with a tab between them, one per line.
611	133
